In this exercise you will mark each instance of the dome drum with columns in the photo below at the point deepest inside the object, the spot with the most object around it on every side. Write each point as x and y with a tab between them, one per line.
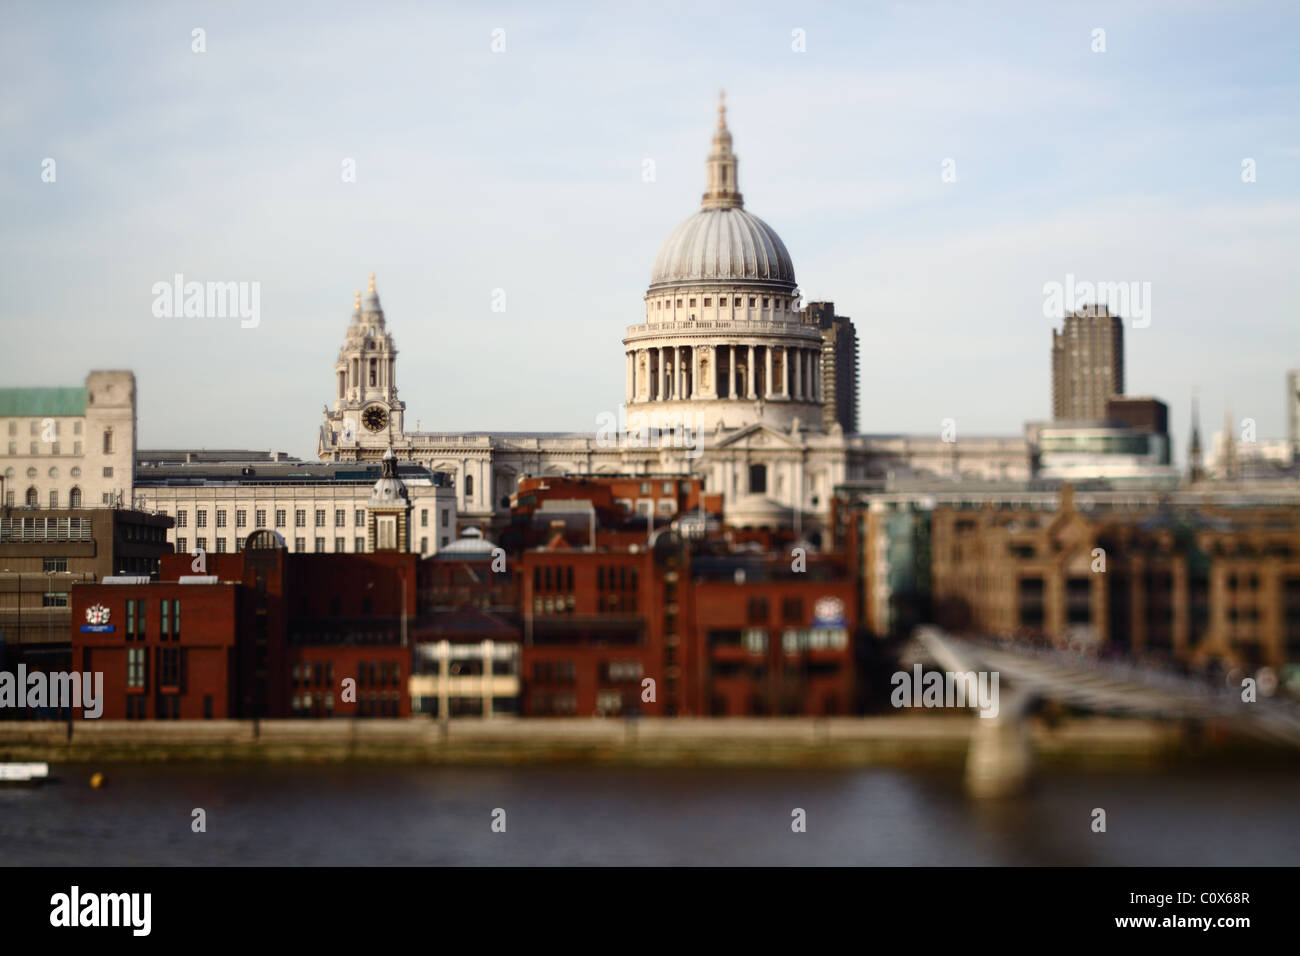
724	343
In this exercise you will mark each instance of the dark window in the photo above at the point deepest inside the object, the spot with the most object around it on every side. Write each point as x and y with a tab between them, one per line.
169	667
792	610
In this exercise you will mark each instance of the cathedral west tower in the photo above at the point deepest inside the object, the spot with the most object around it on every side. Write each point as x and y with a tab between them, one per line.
367	413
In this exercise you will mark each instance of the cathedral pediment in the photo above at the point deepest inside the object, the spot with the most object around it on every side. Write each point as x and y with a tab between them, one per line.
756	435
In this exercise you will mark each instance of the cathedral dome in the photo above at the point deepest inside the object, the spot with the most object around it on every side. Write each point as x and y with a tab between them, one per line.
727	244
722	242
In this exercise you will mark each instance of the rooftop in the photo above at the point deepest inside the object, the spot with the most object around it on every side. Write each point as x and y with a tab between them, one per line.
293	472
41	402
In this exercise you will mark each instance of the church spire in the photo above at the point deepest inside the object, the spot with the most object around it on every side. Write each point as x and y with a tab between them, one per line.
723	186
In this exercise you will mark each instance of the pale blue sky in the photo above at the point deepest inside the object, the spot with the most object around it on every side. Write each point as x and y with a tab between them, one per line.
522	171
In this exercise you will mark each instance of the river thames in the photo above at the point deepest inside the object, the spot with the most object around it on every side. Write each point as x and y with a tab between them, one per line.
573	815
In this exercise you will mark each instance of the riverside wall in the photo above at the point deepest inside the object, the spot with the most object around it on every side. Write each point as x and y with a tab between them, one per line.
912	740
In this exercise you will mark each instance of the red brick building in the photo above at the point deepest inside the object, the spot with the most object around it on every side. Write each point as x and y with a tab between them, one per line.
590	634
165	650
770	640
718	632
259	633
598	621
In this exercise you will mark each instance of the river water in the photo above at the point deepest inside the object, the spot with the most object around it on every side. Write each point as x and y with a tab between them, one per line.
406	815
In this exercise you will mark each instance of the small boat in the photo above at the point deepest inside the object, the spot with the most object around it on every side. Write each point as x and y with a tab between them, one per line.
20	773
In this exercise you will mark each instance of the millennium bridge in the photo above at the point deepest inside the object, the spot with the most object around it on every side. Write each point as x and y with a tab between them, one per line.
1000	756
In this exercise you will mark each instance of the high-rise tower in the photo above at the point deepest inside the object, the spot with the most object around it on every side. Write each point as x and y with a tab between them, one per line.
1087	364
839	366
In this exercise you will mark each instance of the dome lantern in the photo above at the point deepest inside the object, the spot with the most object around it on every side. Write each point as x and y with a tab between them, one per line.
723	188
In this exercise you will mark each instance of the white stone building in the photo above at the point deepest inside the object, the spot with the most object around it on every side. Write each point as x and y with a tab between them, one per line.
70	447
314	507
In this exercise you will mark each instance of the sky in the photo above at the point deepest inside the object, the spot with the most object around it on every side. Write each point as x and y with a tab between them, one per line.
930	167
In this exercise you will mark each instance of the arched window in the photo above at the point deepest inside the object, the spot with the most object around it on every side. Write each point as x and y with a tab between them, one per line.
31	498
74	498
265	540
469	485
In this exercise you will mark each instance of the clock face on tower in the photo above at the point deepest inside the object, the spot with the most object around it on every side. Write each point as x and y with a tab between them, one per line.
374	418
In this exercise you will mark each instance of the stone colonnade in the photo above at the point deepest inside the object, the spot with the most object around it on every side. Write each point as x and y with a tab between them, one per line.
740	371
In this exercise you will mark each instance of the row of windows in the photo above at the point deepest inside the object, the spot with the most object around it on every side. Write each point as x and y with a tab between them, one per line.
555	705
144	532
222	545
320	674
36	427
299	518
32	471
378	705
465	668
169	615
33	498
281	516
616	578
379	673
737	302
45	529
554	672
554	604
553	578
465	706
170	667
56	448
303	705
620	672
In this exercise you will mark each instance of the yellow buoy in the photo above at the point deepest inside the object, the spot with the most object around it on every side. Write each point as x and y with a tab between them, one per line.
96	780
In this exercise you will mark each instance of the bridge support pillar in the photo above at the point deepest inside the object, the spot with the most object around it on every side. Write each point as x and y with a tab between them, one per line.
1000	758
